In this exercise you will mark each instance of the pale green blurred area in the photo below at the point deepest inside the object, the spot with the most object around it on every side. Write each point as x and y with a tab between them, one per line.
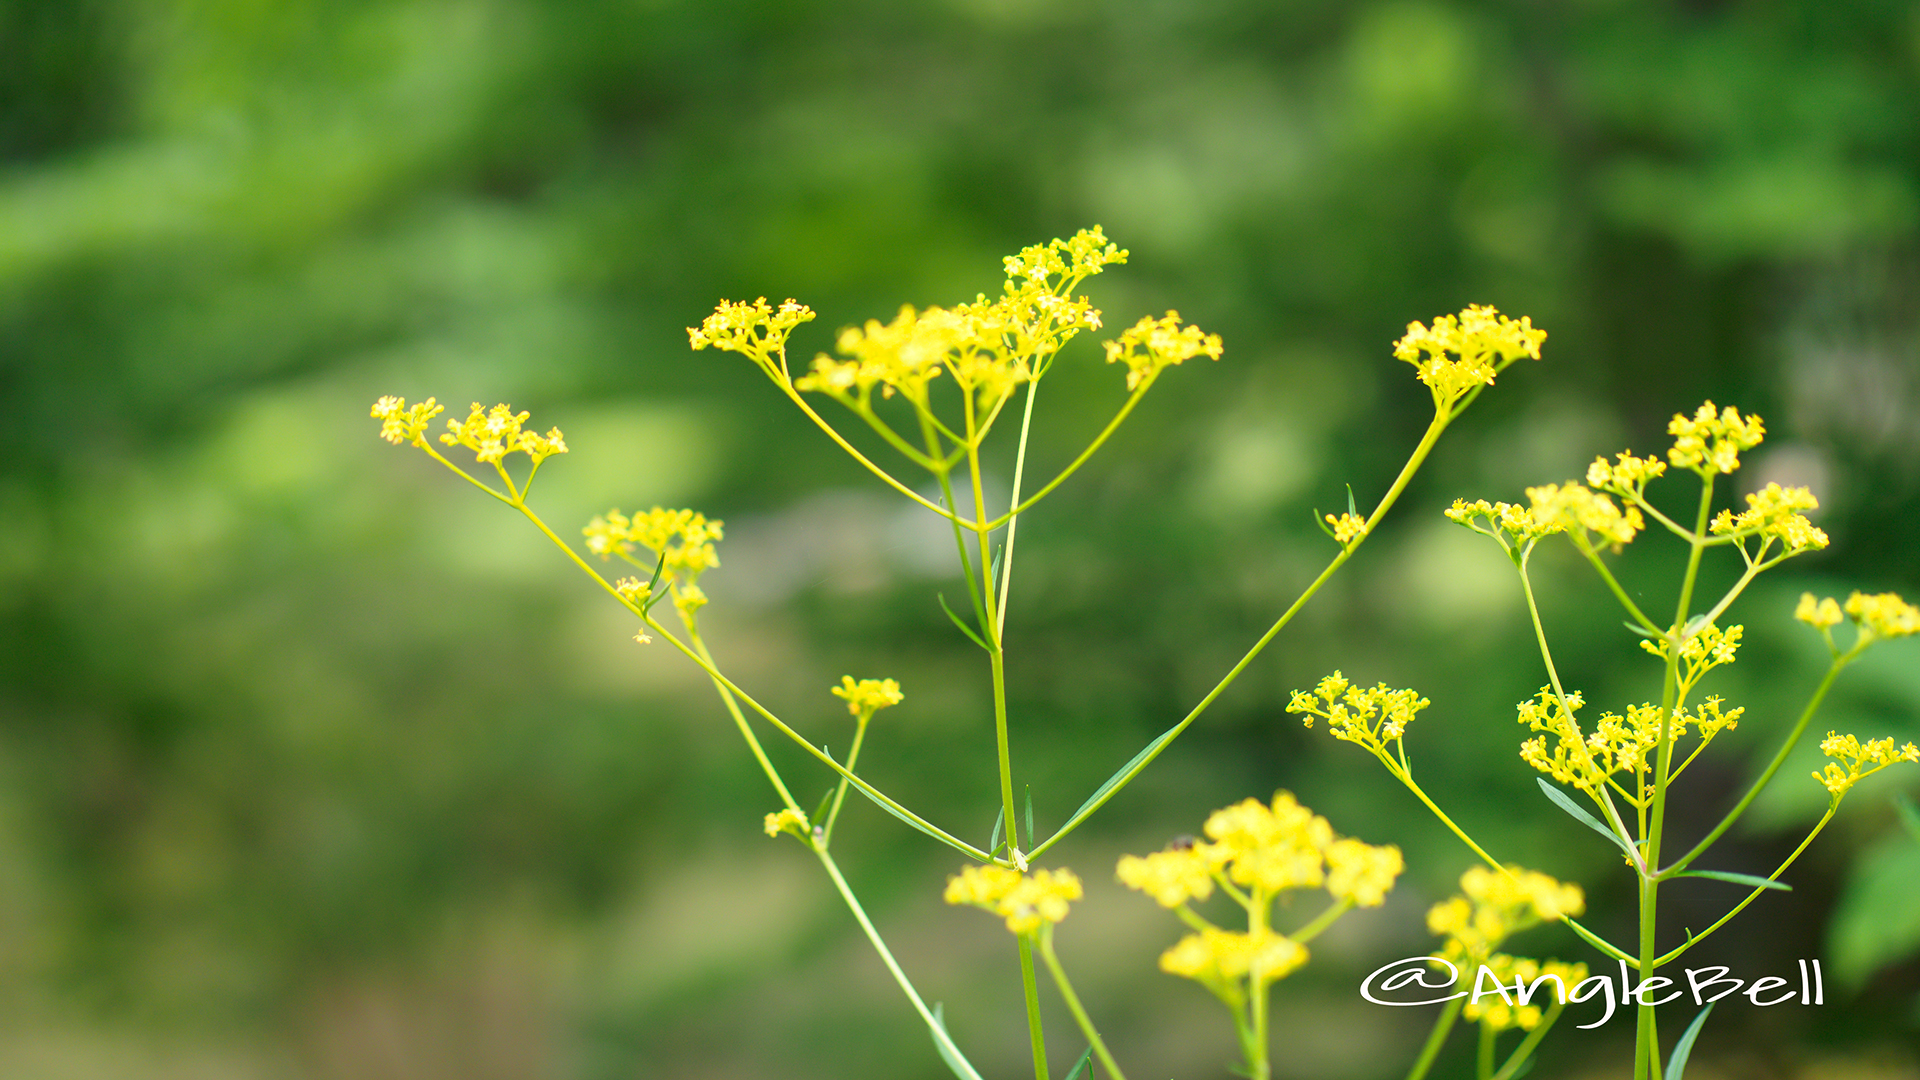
316	763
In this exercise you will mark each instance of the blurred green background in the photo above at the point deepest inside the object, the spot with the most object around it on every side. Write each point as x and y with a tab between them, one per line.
314	764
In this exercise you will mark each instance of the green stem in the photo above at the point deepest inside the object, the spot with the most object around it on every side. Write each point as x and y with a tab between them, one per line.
1074	466
1013	521
1386	503
1035	1032
839	440
1257	986
1436	1039
1519	1055
1483	1061
1832	806
1322	921
840	793
1619	593
940	1035
1073	1002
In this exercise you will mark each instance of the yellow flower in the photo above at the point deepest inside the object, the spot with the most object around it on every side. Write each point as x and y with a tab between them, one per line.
868	696
1152	345
1573	506
1710	441
1025	901
1884	615
1496	1012
1820	614
1848	750
1483	340
1773	512
1511	526
1171	877
400	422
755	330
1362	873
1371	717
684	537
1218	958
494	433
1347	528
788	820
1628	475
1498	904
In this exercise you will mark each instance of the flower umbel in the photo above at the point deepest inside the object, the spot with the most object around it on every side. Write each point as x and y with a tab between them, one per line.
1854	761
868	696
1710	441
1151	345
1464	351
1025	901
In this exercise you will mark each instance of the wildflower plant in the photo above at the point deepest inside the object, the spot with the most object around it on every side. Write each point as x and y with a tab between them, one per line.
1622	765
934	384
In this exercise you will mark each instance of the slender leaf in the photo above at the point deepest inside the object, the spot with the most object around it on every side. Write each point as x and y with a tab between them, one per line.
964	628
1561	800
1738	879
820	812
1094	800
1320	519
1638	629
1080	1067
1351	509
1030	840
1677	1064
993	570
999	826
957	847
1909	816
954	1061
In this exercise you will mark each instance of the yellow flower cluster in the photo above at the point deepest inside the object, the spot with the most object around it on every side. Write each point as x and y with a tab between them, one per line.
756	330
682	541
1371	717
1218	959
789	821
1877	616
1497	905
1347	528
1484	341
1821	614
1499	1014
1710	441
1848	750
1152	345
494	433
1884	615
1774	512
400	422
1269	848
1627	476
1088	253
1025	901
1574	506
1709	648
868	696
1618	743
1512	527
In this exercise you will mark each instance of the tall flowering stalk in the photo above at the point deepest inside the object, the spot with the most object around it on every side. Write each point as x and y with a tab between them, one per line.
959	371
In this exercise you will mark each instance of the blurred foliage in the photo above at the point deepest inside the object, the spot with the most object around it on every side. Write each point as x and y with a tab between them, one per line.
312	764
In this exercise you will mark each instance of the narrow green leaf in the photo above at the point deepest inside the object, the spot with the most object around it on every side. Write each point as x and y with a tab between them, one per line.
820	812
993	571
1320	519
1080	1067
1561	800
968	852
1738	879
1909	815
1638	629
1351	509
954	1061
1094	800
1030	840
964	628
1682	1050
999	826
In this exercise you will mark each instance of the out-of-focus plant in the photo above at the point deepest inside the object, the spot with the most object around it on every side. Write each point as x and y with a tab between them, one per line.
933	385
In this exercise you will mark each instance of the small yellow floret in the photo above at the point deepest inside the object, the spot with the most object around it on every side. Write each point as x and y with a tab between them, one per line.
868	696
1573	506
1362	873
754	330
400	422
1483	340
1884	615
1347	528
1152	345
494	433
1172	877
1819	614
1220	957
788	820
